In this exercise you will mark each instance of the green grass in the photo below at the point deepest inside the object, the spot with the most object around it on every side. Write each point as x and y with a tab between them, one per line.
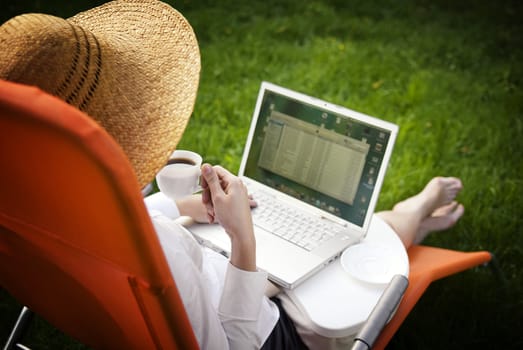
449	73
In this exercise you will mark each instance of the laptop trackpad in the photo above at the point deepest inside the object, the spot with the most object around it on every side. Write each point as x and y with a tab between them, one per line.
286	263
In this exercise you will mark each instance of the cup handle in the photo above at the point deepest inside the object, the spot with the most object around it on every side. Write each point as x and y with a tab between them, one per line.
198	188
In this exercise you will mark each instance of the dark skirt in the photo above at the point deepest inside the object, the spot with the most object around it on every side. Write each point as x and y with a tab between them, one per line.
284	335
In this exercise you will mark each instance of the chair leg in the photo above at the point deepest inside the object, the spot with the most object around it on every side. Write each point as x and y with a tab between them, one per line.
20	328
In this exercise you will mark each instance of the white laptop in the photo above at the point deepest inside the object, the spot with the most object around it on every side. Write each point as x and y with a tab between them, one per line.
315	170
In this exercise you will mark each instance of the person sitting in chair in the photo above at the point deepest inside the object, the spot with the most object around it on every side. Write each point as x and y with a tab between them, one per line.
133	66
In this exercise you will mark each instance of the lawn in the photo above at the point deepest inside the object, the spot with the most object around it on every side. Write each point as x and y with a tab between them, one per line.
449	73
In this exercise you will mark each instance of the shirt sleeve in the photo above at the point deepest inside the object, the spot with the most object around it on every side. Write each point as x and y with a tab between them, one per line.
242	306
226	306
159	204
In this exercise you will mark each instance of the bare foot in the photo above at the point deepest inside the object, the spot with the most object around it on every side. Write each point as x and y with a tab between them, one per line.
441	219
439	192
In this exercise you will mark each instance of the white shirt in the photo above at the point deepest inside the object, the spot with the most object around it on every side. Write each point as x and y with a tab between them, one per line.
226	306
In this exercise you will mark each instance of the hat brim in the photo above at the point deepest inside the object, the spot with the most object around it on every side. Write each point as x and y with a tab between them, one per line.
151	73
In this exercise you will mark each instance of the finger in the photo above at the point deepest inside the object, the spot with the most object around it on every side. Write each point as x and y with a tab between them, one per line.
221	171
206	196
252	202
210	218
224	175
211	179
207	203
228	180
203	182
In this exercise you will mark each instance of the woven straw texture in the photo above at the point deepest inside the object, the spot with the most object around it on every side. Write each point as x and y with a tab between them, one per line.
131	65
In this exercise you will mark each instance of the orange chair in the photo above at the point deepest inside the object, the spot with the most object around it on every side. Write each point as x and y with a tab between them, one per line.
427	264
76	243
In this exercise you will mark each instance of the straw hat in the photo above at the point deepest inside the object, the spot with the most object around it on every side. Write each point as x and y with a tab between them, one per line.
132	65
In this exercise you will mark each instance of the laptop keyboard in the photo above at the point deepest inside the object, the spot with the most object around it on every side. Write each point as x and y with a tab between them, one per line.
292	224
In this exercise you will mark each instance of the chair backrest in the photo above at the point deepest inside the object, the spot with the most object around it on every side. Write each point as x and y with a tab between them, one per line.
76	243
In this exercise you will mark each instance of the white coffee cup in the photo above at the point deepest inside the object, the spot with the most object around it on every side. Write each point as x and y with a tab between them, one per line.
180	177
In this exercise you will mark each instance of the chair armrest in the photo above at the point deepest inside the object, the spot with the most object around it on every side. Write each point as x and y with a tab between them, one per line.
381	313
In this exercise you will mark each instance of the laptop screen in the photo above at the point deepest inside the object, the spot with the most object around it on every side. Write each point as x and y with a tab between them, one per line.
316	153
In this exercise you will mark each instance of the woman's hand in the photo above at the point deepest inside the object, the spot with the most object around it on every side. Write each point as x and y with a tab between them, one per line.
227	202
192	206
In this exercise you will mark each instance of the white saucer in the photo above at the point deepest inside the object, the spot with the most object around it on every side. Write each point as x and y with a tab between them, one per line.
373	263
